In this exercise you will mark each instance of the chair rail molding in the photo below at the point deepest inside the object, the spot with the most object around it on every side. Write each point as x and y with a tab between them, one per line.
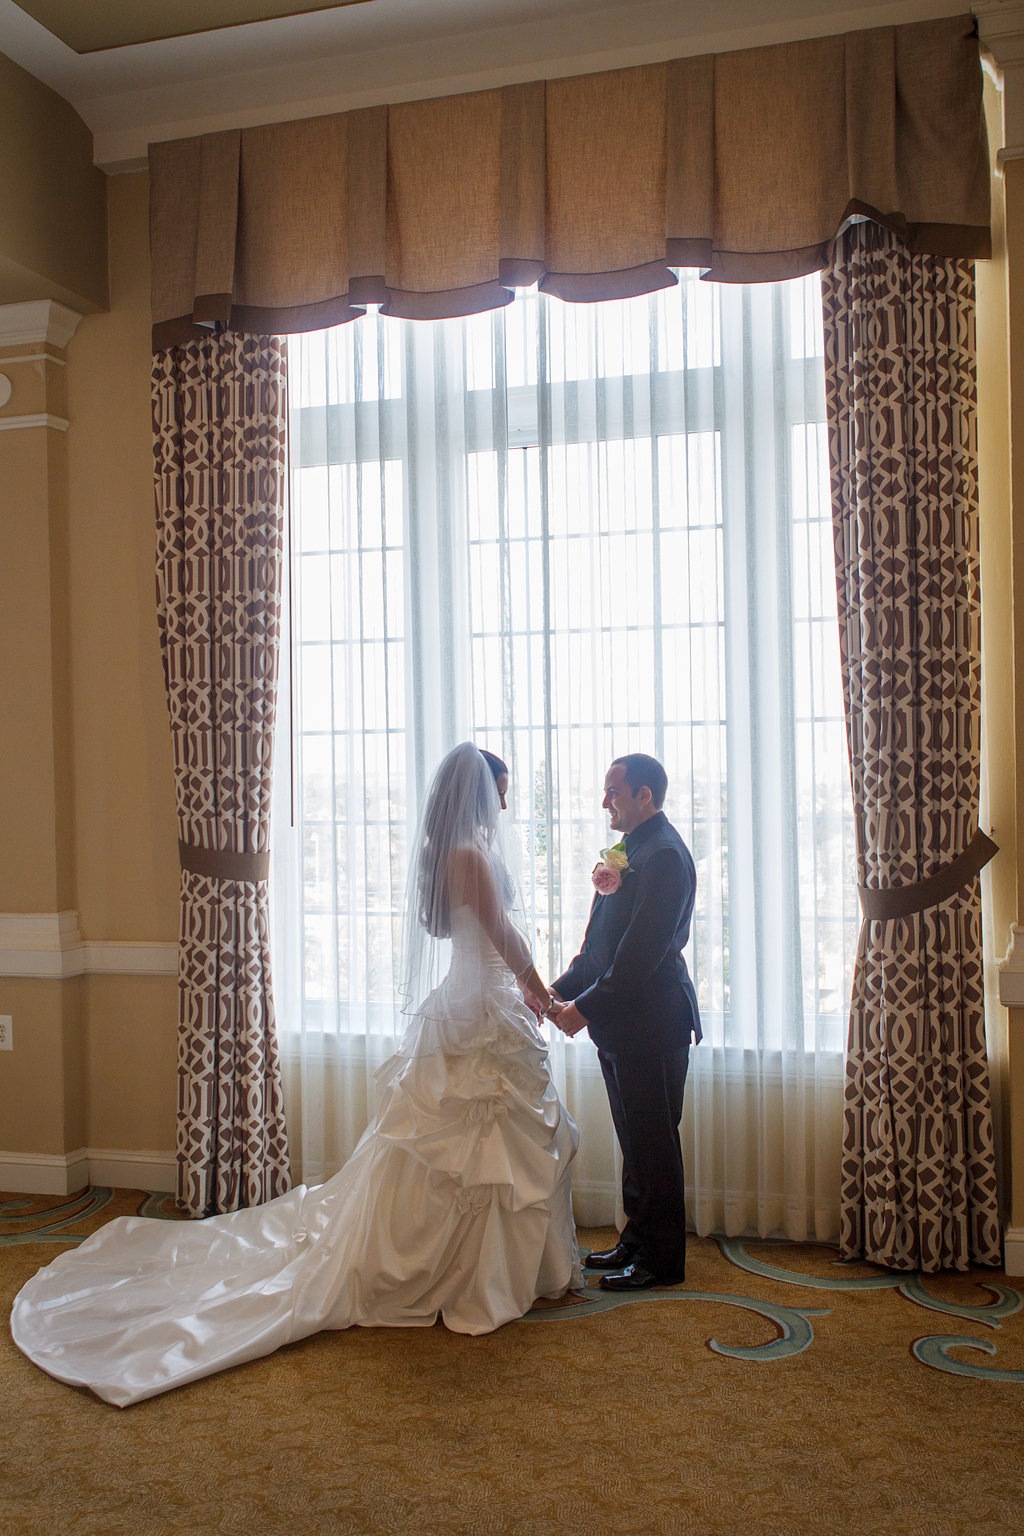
1011	970
49	946
39	419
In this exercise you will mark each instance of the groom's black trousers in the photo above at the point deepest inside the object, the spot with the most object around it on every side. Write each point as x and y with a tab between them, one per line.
645	1090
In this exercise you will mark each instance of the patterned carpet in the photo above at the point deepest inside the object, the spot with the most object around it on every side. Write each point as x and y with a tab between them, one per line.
778	1392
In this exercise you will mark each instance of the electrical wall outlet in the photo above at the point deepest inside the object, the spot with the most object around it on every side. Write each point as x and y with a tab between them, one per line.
6	1032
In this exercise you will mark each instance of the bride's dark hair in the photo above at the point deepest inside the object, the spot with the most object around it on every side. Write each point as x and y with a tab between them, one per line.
494	763
461	810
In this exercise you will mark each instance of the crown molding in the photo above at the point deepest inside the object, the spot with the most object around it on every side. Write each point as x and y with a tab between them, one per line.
1001	29
338	61
39	320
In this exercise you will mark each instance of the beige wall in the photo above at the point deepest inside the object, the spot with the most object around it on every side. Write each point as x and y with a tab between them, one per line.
41	1108
998	807
85	777
1011	641
126	850
131	1072
52	216
125	832
36	868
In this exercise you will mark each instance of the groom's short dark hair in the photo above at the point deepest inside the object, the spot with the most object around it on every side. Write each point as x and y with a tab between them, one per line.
641	770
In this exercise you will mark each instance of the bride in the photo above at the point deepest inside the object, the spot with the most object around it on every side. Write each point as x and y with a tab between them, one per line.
455	1203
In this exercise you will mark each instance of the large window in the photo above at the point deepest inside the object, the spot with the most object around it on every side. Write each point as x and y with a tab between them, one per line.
567	532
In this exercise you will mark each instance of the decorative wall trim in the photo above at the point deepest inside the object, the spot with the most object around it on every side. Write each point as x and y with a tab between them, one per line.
155	1172
38	320
1013	1251
1011	973
597	1202
42	944
141	113
36	1173
1001	24
110	958
34	357
49	946
40	419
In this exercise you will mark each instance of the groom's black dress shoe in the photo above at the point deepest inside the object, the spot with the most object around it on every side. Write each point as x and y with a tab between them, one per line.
611	1258
635	1278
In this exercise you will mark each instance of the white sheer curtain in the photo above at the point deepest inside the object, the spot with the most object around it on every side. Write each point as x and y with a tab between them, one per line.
569	532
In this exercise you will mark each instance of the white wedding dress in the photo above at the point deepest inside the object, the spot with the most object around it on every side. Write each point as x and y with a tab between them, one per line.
455	1204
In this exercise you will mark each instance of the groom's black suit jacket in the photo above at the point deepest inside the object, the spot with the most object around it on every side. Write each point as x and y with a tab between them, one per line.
630	980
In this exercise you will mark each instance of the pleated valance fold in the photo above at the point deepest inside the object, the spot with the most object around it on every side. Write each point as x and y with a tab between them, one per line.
744	164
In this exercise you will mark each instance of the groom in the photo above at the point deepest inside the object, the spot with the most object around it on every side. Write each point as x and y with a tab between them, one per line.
630	987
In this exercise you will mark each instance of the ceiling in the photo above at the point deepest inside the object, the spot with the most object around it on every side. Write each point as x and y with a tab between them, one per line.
113	24
332	58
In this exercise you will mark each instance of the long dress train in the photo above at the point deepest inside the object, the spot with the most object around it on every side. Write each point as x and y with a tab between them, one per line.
455	1204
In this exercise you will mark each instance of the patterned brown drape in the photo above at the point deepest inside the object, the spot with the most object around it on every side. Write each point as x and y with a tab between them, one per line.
219	444
919	1182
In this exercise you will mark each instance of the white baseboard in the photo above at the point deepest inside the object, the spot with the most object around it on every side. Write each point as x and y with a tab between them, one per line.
1013	1251
155	1172
596	1203
36	1173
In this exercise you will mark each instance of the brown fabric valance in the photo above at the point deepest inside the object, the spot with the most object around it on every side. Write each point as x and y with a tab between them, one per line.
746	164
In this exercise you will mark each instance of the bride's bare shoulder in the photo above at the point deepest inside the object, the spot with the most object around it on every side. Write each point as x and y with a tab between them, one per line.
468	869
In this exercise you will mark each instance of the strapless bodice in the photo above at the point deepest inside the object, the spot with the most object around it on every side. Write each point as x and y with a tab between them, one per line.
473	954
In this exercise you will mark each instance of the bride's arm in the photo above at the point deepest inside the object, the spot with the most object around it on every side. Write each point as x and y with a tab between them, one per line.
471	884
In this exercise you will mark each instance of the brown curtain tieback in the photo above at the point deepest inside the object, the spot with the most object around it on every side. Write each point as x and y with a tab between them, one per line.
223	865
878	905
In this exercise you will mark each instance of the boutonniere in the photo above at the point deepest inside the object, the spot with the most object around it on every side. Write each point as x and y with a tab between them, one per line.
608	873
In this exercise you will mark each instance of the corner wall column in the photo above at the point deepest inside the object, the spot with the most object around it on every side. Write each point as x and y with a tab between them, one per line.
43	1078
1001	352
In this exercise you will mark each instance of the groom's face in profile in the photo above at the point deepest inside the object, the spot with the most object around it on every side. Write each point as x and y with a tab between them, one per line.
625	810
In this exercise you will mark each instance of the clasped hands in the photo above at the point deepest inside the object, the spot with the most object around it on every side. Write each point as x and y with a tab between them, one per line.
565	1016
